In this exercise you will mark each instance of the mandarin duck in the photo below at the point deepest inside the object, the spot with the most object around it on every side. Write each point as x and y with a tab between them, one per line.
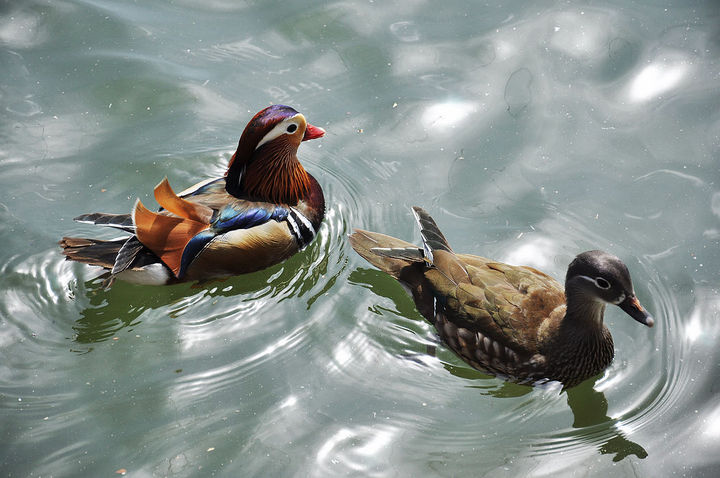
265	209
511	321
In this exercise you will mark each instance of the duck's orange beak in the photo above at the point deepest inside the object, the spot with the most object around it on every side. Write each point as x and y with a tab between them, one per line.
312	132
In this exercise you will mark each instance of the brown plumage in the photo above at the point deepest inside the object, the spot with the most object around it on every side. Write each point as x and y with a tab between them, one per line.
513	321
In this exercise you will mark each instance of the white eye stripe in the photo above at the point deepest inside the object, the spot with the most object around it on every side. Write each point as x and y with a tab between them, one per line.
599	282
280	129
602	283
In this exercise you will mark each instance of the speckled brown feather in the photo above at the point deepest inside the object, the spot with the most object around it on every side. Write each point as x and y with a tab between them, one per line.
475	293
503	303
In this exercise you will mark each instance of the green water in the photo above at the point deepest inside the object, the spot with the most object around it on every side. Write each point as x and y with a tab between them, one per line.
531	131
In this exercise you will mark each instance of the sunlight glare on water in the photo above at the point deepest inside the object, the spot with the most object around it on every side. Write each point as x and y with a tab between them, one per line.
441	116
658	78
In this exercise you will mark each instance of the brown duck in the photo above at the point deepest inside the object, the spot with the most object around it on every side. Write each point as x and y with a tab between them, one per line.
512	321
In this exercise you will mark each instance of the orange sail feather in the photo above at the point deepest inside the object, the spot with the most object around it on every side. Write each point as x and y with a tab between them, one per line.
165	235
166	197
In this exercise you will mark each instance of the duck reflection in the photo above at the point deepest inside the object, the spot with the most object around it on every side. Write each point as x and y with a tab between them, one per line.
589	407
109	311
121	307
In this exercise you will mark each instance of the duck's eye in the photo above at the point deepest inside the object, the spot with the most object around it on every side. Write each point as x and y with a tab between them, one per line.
602	283
292	127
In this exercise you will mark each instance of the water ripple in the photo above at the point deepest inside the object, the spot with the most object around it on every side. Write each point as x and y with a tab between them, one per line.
530	133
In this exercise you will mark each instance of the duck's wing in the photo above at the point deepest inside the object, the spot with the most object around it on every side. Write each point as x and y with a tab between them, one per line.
505	303
167	234
179	234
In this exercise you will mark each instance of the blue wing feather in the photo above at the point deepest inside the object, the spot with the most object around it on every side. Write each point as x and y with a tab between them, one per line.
193	248
230	218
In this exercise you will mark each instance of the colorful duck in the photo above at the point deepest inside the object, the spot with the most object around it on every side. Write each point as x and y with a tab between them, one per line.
512	321
265	209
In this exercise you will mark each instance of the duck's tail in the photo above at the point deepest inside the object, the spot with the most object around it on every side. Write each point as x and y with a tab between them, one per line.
387	253
91	251
391	255
402	260
118	221
410	264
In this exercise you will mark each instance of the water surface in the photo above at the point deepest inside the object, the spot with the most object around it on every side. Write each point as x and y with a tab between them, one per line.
531	131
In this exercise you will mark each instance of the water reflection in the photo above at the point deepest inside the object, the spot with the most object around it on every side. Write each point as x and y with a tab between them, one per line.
440	116
694	420
405	31
109	311
22	28
350	449
590	408
518	94
490	386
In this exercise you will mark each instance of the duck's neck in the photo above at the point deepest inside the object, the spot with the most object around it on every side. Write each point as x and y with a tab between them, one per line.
272	174
583	346
583	327
585	310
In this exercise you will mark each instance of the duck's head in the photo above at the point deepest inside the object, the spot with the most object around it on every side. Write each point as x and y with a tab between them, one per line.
596	276
265	164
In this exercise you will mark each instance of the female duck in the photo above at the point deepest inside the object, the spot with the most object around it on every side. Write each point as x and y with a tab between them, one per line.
512	321
265	209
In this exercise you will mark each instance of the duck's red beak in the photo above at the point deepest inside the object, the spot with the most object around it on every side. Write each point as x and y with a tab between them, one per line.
312	132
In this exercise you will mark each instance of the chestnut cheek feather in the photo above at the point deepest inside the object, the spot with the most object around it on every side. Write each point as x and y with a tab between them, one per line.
276	175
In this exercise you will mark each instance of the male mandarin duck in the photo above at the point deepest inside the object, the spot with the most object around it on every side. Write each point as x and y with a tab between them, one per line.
511	321
264	210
